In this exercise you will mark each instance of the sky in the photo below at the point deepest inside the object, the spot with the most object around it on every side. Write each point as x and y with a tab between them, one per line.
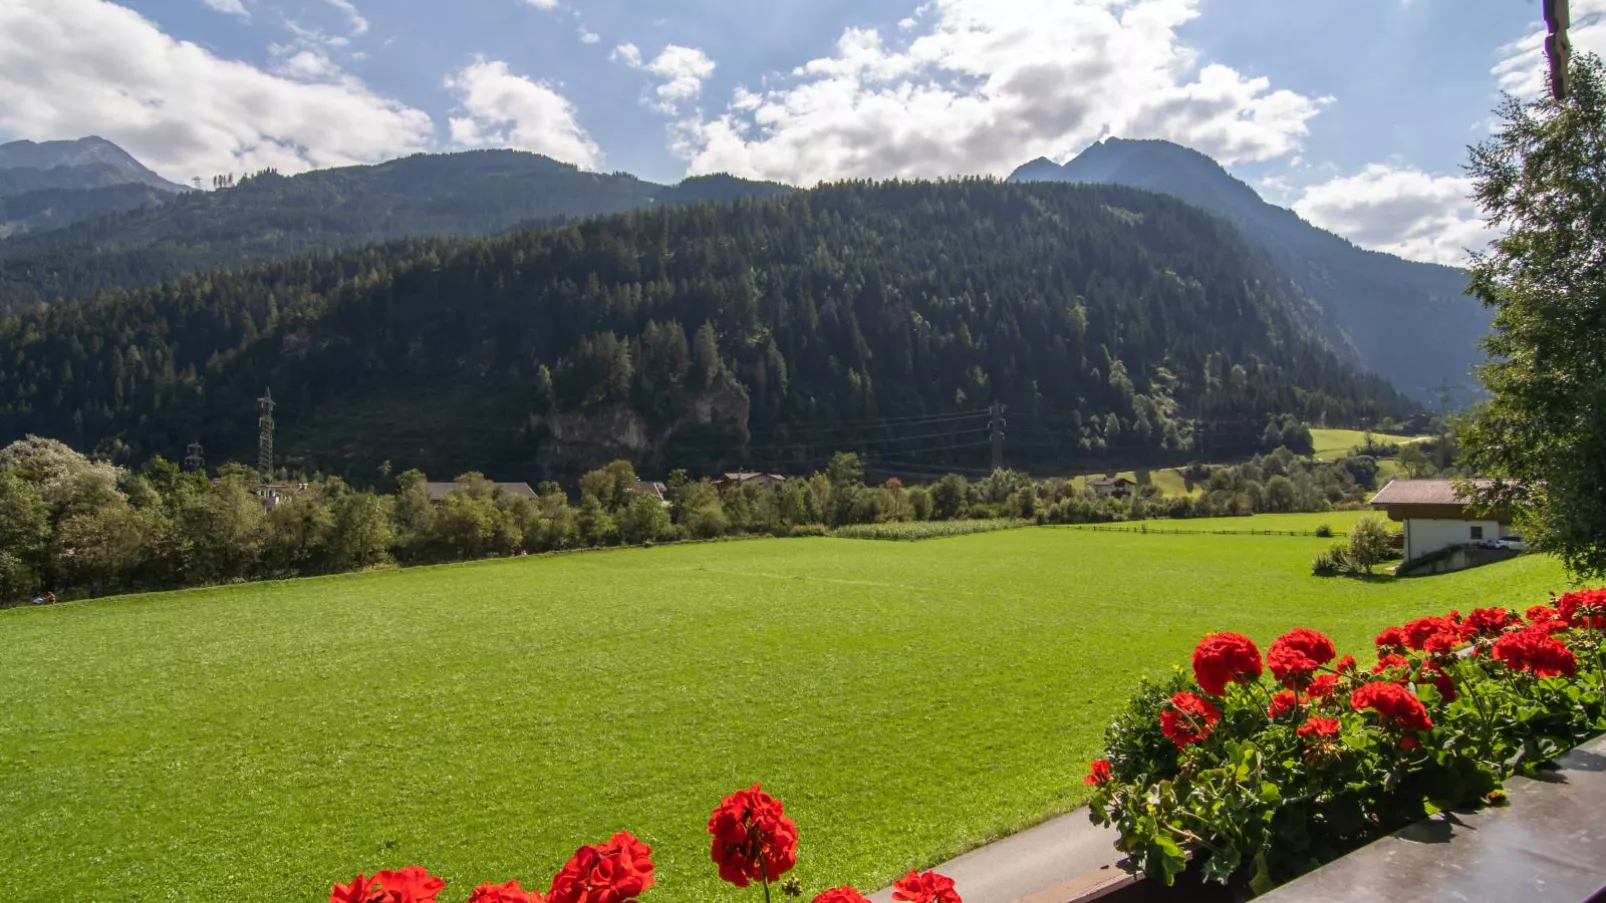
1355	113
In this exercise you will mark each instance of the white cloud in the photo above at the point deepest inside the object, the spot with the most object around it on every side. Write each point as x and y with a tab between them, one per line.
1400	210
232	7
359	24
587	36
680	71
982	85
506	110
80	67
1523	69
543	4
629	54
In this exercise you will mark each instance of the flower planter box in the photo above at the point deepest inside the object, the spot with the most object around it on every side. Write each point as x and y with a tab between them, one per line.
1547	845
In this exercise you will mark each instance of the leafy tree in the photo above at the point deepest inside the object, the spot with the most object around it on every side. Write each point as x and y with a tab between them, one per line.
1369	543
1542	179
949	497
645	519
363	531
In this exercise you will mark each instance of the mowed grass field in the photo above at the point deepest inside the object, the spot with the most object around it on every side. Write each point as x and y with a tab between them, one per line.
907	700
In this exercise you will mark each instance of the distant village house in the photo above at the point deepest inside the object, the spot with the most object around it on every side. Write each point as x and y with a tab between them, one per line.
656	490
1438	517
1111	487
765	480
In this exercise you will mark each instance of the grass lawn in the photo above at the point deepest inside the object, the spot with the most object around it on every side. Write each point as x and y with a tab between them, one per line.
1337	443
907	701
1168	479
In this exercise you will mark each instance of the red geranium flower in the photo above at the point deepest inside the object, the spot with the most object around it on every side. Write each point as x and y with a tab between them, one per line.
1347	663
1282	703
413	884
1443	632
925	887
1224	658
1295	655
1440	678
1390	638
613	872
753	839
1393	662
503	893
1098	772
1488	622
1584	608
841	895
1534	649
1399	705
360	890
1319	727
1323	686
1188	719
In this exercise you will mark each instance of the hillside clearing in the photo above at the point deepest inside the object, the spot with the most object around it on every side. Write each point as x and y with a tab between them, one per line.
907	700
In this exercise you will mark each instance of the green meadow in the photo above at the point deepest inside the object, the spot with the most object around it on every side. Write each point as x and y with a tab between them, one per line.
907	700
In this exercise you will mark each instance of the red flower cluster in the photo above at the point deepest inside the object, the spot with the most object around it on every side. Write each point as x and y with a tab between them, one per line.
613	872
1224	658
1098	772
504	893
1281	704
1546	617
1433	635
1345	664
1488	622
1534	649
753	838
1325	685
925	887
1319	727
412	884
841	895
1394	702
1296	655
1584	608
1188	719
1390	638
1392	662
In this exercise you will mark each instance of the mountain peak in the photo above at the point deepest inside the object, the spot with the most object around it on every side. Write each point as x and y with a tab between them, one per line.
112	163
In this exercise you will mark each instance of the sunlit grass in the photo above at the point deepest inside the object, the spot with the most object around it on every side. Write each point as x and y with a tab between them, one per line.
907	700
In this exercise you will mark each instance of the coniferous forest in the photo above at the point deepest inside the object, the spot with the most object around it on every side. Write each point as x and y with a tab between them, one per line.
765	333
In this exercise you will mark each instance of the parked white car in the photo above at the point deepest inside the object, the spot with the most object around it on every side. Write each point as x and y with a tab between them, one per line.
1513	543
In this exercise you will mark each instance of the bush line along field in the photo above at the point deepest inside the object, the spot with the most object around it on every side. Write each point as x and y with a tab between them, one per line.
907	700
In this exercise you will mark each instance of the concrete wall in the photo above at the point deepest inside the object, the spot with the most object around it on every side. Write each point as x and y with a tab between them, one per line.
1424	535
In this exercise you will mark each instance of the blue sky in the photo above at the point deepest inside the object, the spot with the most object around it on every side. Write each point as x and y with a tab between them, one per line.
1357	113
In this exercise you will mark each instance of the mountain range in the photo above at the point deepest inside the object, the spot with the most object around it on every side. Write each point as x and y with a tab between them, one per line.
142	239
254	271
1410	322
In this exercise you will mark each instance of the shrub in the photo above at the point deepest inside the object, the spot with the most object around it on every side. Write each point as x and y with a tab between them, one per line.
1324	531
1273	776
1369	544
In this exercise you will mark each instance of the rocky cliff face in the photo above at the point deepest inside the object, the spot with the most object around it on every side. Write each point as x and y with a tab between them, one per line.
578	440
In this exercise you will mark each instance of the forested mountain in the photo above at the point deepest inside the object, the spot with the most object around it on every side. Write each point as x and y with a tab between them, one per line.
765	333
1410	322
267	216
55	183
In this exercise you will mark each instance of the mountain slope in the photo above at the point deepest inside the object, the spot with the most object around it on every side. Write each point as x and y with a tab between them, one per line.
91	162
1407	321
761	333
268	216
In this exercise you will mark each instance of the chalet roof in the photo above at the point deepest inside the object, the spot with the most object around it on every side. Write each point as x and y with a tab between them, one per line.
438	491
1109	481
1424	492
649	486
743	476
